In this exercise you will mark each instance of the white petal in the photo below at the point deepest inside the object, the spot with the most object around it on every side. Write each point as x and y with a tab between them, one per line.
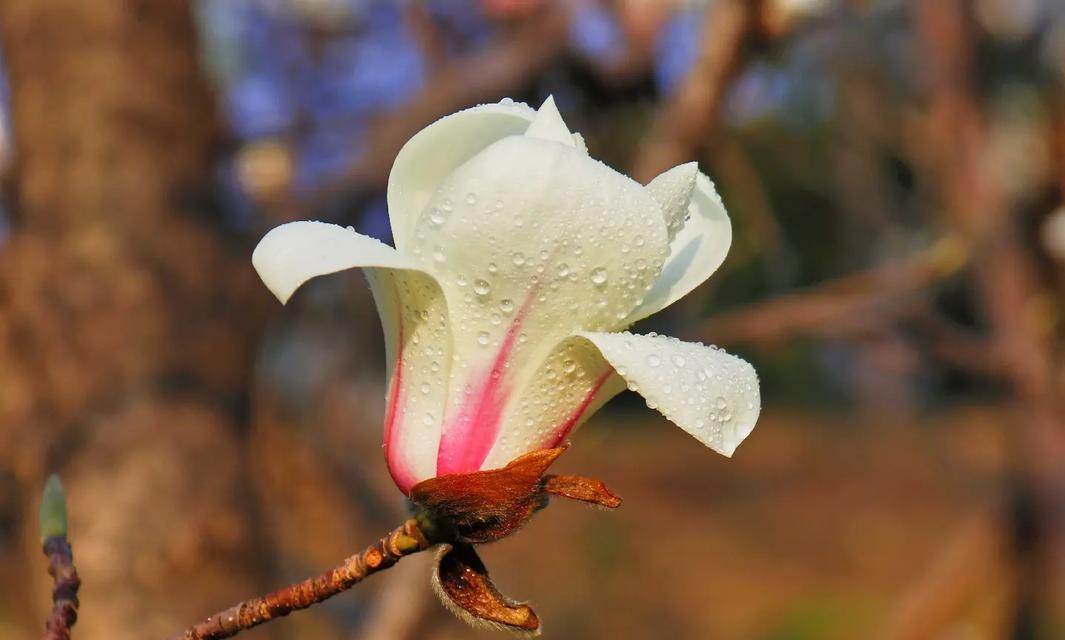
532	241
414	317
293	253
436	150
549	125
418	351
696	252
710	394
673	190
570	385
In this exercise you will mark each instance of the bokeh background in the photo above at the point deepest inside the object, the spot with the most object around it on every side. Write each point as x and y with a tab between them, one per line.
895	173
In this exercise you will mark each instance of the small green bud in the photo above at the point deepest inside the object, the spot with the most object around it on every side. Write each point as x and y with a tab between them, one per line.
53	509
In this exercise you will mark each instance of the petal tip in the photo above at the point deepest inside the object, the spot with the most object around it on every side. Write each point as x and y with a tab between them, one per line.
549	125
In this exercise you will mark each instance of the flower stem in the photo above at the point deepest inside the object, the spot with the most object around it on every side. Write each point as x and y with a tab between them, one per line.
404	540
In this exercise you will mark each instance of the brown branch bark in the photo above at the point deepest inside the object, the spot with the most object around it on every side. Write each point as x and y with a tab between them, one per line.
64	592
128	319
839	305
402	541
1006	278
686	122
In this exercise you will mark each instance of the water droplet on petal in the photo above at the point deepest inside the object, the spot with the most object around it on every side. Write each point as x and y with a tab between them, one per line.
482	338
599	276
481	287
653	360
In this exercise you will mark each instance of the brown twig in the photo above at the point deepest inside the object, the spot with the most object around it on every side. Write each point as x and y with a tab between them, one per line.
404	540
65	592
53	523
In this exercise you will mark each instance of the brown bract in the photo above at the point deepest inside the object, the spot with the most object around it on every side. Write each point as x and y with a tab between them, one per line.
461	580
484	506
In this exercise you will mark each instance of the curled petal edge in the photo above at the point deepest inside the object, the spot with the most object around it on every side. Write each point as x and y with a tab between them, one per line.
712	395
411	305
698	244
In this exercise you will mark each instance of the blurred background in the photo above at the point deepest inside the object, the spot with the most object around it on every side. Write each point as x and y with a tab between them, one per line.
895	174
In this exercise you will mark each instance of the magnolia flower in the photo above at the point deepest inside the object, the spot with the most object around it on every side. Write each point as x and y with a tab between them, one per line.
519	263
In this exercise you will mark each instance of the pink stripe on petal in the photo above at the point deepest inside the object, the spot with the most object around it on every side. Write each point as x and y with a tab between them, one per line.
397	466
578	413
469	434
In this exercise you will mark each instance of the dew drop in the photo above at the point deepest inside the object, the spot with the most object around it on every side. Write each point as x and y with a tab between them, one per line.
482	338
425	388
599	276
518	258
481	287
653	360
678	360
436	216
506	305
471	198
569	366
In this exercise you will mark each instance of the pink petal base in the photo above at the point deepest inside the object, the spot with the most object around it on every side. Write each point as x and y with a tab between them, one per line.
470	432
398	466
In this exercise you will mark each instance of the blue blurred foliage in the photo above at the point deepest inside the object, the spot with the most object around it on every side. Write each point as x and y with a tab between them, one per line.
316	81
315	86
677	48
595	33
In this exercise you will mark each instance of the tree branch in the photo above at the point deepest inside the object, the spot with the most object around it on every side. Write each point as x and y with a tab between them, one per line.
689	118
404	540
841	305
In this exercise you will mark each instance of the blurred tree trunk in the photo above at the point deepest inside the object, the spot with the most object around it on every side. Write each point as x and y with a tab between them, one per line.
127	320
